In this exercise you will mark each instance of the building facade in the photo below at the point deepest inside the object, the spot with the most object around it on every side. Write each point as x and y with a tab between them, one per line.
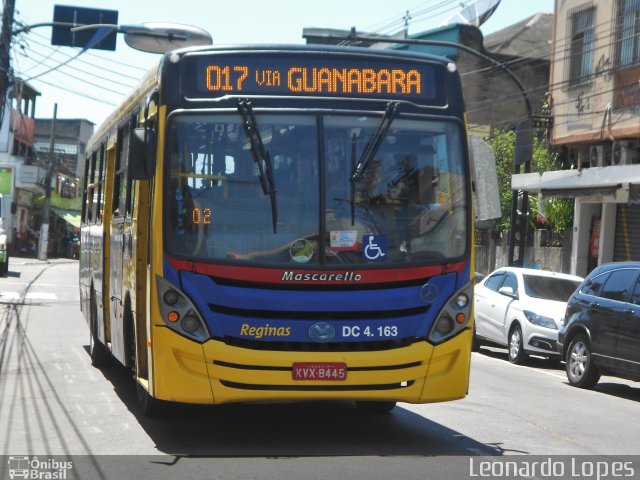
20	176
68	138
24	160
595	105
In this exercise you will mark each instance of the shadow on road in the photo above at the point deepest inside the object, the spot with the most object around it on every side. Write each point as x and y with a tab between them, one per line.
620	390
533	361
616	387
293	429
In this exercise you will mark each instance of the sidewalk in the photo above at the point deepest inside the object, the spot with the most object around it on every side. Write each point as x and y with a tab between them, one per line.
15	261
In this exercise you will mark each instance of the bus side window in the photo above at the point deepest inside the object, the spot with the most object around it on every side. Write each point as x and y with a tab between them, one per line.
85	189
129	193
100	164
122	188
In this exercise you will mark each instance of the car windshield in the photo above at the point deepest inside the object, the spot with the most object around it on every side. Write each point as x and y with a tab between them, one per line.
407	205
549	288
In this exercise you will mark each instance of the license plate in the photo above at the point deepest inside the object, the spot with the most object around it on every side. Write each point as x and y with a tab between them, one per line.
328	371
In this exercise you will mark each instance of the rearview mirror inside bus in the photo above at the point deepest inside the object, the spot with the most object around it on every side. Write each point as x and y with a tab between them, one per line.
142	153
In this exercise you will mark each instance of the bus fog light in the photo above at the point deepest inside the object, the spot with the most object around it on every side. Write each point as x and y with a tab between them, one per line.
190	323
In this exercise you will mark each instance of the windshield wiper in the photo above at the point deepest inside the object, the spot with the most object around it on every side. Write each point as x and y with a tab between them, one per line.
373	145
260	156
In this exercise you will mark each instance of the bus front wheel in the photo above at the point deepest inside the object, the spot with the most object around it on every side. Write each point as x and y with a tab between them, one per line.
149	406
99	353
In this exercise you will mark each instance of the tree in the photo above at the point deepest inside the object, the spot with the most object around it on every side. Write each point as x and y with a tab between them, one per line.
558	211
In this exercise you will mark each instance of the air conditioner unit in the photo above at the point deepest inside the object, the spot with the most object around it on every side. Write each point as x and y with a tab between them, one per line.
623	153
596	156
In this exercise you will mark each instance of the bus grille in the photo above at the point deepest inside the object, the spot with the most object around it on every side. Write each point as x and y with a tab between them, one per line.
319	347
318	315
317	388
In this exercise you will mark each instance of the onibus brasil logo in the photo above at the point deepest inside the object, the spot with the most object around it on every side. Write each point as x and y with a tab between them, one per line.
34	468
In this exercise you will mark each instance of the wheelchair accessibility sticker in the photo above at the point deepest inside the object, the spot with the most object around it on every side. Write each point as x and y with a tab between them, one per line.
375	247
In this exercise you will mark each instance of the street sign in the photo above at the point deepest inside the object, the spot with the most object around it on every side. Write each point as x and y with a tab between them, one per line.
85	38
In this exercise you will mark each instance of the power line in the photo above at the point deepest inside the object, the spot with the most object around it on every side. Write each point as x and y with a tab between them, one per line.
85	62
77	93
79	70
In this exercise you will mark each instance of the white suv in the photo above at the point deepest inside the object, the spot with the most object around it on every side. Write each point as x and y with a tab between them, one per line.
522	309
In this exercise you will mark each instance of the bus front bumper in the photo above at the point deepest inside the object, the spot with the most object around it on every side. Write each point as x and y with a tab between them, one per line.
215	373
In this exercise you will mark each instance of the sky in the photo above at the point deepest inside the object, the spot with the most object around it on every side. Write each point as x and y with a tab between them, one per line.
94	83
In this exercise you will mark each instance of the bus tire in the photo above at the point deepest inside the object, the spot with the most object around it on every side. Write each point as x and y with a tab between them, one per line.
149	406
375	407
129	328
99	353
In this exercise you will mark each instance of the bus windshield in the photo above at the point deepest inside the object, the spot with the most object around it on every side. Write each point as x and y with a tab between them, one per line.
323	203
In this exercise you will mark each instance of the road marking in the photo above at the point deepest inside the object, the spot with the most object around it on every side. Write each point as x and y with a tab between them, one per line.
41	296
29	296
504	362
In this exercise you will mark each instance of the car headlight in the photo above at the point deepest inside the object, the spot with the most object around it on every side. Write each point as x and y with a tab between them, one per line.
540	320
179	313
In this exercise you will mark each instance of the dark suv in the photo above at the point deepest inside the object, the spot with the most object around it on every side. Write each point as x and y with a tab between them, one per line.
601	331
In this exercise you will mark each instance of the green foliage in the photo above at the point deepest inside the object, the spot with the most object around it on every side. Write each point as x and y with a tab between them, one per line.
558	211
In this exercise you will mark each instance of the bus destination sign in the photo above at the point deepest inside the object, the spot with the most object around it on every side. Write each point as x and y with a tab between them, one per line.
214	76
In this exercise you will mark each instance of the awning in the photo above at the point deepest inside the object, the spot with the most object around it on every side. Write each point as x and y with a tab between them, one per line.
589	182
72	217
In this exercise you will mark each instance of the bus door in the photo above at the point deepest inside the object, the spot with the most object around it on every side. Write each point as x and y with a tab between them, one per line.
120	255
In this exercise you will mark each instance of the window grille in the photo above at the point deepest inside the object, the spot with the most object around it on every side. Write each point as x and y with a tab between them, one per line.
628	33
582	40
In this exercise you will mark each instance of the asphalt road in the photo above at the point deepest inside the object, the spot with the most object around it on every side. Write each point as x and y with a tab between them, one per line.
53	402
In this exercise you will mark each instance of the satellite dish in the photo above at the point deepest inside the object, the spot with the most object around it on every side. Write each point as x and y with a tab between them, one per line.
163	37
475	14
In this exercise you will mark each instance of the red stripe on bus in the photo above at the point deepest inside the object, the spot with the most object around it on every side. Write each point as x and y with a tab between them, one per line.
323	277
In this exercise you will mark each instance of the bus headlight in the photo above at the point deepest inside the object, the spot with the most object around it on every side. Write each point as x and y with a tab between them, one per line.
454	317
179	313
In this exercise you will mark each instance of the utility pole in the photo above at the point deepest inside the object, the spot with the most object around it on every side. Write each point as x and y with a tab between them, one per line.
44	228
5	48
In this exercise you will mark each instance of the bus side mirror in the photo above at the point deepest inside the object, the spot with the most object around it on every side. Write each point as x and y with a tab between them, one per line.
142	153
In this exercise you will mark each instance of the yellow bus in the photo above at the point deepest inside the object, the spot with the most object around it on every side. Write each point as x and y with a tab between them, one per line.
277	223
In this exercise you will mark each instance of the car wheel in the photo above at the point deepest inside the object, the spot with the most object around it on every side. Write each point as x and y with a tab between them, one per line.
580	369
517	355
